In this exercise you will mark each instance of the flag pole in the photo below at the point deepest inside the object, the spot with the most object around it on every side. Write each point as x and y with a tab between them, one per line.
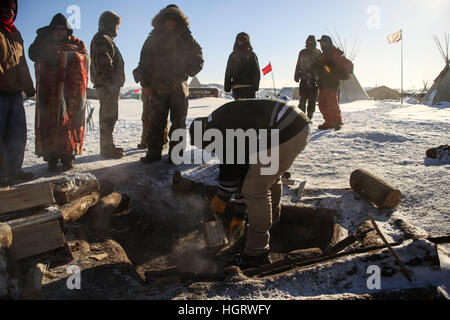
273	79
401	90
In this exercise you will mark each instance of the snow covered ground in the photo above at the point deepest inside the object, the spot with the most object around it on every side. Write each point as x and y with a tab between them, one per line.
382	137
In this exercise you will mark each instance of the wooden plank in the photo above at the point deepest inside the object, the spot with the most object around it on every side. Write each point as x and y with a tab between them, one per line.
37	234
26	197
65	193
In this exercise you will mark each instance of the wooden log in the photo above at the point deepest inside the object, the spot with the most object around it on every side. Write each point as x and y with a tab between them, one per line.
26	197
374	189
101	213
6	245
67	193
5	236
37	234
74	210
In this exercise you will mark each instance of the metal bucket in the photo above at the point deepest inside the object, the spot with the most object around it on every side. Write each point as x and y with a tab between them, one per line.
214	234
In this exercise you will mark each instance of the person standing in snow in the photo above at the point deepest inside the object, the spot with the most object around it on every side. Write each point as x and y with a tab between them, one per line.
108	76
14	79
62	75
146	115
169	56
329	80
261	189
307	75
242	75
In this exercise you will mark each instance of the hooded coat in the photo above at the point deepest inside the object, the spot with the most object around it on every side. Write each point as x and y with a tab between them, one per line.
43	47
107	65
14	73
62	75
168	58
305	70
243	66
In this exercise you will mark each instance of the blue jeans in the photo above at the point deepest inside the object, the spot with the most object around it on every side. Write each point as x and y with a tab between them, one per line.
13	134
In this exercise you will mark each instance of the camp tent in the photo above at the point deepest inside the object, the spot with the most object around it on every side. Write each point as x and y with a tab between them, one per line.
383	93
350	90
195	83
440	90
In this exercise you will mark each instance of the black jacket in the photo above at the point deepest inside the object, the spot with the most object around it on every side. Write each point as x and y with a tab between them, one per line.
242	69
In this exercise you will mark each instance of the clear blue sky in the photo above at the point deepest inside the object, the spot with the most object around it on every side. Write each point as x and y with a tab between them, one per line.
277	29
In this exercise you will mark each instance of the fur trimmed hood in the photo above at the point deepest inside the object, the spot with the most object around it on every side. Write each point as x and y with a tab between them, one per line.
171	9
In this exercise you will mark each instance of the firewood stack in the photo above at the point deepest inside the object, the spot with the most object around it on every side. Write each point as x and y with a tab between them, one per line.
32	221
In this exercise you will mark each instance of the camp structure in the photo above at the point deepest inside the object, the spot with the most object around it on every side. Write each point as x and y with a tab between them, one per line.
197	90
195	83
383	93
440	90
350	90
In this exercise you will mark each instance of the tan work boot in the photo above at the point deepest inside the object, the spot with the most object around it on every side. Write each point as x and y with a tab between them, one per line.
112	153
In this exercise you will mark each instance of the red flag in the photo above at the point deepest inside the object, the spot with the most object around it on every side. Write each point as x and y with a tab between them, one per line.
267	69
395	37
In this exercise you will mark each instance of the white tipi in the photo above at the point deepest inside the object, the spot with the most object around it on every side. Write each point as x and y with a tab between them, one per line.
350	90
440	90
195	83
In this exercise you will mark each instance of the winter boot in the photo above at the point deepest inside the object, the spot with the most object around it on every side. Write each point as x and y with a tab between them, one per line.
112	153
338	127
68	162
24	176
244	261
118	148
52	163
323	127
5	182
152	156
